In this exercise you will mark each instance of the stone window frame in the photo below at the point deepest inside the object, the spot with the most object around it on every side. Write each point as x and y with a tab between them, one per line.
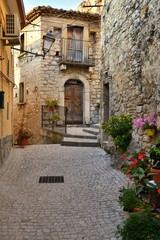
22	97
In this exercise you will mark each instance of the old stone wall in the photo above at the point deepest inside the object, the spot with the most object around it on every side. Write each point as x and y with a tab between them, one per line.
130	59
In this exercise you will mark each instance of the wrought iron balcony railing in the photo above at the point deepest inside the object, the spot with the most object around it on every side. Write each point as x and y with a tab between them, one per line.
77	52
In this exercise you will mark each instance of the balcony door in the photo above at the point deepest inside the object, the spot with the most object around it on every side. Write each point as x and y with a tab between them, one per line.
74	44
74	101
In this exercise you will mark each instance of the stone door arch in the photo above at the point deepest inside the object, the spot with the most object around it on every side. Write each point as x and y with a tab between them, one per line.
86	94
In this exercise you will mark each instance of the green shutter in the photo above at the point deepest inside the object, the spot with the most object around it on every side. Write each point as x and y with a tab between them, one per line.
1	99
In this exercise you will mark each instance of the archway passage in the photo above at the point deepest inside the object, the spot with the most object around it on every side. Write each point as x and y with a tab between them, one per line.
74	101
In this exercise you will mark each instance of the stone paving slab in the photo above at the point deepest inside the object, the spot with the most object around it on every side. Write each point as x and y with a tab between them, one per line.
84	207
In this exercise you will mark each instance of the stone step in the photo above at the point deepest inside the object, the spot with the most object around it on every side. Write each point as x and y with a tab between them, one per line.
94	131
78	131
79	142
95	126
81	136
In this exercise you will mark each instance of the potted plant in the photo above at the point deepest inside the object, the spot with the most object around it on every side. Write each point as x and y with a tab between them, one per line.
55	117
55	103
137	167
154	153
23	136
148	124
130	200
52	104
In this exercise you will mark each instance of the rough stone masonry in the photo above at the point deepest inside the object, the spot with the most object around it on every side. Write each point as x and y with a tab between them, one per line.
130	59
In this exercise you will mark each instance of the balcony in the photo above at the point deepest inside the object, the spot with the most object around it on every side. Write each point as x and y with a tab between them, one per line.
77	52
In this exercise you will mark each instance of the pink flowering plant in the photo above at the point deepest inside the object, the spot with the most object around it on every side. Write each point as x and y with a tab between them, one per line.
149	122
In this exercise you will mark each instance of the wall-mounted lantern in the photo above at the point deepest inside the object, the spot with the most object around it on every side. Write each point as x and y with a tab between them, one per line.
48	41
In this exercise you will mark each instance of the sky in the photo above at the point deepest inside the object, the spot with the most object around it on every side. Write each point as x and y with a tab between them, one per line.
65	4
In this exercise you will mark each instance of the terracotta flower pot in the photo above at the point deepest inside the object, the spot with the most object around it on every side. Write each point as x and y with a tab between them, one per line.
137	209
23	141
50	108
150	132
156	175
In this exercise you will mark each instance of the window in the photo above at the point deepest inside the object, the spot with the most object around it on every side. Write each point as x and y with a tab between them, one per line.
92	37
11	28
1	99
21	93
22	42
57	33
8	65
75	43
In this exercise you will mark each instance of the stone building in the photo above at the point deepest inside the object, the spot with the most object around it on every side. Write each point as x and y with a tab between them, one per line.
131	61
70	72
92	6
12	19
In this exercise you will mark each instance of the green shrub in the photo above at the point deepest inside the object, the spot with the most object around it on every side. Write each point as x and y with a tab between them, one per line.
119	128
129	200
140	226
122	141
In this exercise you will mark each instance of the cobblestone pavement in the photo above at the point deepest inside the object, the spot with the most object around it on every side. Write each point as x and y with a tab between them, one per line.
84	207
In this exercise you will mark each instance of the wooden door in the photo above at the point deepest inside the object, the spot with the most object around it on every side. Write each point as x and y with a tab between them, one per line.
74	46
74	102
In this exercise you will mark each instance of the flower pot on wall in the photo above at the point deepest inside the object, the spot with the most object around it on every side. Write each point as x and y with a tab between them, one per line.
156	175
150	132
51	108
23	141
137	209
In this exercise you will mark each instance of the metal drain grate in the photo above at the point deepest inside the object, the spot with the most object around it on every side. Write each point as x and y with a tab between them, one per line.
51	179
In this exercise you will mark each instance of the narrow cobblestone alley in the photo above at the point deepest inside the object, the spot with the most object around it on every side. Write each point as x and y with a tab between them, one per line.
84	207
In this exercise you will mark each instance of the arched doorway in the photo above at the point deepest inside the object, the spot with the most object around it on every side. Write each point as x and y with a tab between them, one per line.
74	101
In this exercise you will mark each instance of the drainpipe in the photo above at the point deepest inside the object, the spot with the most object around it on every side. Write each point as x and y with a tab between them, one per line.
2	140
